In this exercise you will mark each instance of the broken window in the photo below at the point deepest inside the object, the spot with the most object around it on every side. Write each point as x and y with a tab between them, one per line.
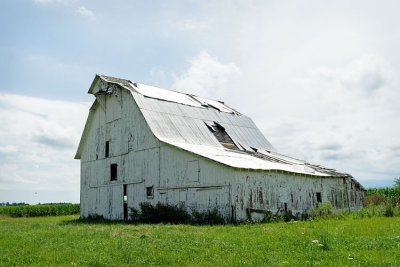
319	198
107	149
222	136
150	192
113	172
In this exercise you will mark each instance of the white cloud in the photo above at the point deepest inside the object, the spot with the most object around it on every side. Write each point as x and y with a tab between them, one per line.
38	140
190	25
83	11
346	118
206	77
44	2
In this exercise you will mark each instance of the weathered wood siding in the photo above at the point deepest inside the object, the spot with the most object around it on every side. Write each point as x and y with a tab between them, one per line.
180	177
133	148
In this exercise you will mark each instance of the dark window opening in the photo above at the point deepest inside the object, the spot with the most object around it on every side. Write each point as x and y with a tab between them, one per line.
285	206
114	172
319	198
107	149
222	136
125	204
150	192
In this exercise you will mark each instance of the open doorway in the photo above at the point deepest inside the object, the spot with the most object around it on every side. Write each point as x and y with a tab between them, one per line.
125	204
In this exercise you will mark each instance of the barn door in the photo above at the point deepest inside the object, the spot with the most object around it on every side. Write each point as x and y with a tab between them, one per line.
125	203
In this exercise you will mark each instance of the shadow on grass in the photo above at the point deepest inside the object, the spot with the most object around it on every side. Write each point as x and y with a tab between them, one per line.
102	221
90	221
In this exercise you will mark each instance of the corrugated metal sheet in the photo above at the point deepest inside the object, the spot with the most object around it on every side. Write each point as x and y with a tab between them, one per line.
180	120
186	124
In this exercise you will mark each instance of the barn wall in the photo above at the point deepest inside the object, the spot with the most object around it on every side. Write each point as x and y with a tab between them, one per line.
256	192
133	148
202	184
198	183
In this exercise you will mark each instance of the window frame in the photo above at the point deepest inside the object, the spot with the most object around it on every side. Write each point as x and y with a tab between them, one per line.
113	172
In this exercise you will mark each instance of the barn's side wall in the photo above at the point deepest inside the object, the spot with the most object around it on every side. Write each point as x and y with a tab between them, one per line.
133	148
201	184
276	191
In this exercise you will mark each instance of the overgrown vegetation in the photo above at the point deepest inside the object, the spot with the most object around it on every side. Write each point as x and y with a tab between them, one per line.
39	210
66	240
165	213
322	210
384	195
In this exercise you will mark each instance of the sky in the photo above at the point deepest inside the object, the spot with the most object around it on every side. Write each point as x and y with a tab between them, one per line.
319	78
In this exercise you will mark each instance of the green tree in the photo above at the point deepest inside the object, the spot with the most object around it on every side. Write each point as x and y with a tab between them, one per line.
397	182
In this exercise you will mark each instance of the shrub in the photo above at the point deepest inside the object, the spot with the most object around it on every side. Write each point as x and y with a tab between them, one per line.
389	211
160	213
287	216
270	217
322	210
375	199
211	217
165	213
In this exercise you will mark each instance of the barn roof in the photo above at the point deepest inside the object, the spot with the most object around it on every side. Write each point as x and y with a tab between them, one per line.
208	128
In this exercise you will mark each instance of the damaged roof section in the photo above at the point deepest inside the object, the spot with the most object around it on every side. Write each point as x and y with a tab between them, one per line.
208	128
222	136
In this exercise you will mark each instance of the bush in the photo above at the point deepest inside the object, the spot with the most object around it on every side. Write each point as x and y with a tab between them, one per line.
381	210
375	199
389	211
207	217
322	210
165	213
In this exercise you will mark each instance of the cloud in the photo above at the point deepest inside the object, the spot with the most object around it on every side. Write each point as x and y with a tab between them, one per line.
348	118
206	77
190	25
83	11
368	73
38	140
45	2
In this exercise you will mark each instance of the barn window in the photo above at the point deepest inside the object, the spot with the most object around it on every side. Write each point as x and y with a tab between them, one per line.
319	198
107	149
150	192
114	172
222	136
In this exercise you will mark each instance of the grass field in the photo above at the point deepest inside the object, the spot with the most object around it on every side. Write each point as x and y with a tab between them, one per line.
65	240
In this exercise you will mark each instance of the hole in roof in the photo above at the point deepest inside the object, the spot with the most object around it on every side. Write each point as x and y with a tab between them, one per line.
222	136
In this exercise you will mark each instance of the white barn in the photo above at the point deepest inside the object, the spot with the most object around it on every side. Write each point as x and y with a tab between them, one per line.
146	144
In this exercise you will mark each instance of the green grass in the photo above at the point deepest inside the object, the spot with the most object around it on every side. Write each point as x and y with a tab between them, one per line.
40	210
65	240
